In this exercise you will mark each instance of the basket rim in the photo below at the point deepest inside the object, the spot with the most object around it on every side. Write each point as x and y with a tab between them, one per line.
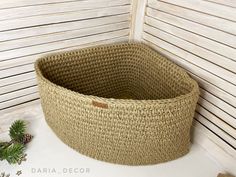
193	93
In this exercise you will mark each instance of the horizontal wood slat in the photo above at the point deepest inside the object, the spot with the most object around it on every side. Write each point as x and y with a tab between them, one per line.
198	56
216	120
206	7
61	17
218	112
190	68
214	79
17	86
18	100
59	40
230	3
16	70
201	18
20	106
52	8
204	84
31	58
216	35
214	138
229	139
17	78
35	52
9	36
22	3
85	42
205	43
226	97
18	93
218	102
214	146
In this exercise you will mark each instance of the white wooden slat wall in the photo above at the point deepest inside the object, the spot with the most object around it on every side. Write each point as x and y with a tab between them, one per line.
200	36
30	29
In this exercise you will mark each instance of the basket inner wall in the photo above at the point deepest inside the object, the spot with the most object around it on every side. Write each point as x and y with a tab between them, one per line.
117	72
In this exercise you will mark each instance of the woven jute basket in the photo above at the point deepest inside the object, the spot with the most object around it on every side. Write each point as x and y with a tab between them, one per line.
224	175
122	103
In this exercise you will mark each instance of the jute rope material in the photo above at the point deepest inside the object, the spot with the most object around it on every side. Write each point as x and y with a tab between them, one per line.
121	103
224	175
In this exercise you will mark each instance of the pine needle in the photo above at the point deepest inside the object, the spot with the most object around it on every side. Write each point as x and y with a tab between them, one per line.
13	153
17	130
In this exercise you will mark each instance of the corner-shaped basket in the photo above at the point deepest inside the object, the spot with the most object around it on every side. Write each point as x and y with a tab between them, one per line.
121	103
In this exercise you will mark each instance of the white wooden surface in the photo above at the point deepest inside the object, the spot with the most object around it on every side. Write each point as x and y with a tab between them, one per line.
31	29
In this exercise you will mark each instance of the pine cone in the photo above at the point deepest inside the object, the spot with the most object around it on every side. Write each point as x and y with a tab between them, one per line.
27	138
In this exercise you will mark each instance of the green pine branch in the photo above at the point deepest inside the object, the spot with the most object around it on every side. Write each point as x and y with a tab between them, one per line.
3	144
17	130
13	153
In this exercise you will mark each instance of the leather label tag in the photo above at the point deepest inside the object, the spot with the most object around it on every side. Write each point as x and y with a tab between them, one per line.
99	104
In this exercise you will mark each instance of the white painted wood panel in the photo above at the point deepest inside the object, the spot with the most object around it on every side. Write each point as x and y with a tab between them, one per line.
84	42
60	27
17	86
30	59
210	77
227	156
215	146
61	17
17	78
191	69
32	29
205	43
212	127
18	93
216	120
192	15
52	8
216	91
198	55
16	70
206	7
57	40
18	100
21	3
217	101
218	112
24	105
200	36
230	3
216	35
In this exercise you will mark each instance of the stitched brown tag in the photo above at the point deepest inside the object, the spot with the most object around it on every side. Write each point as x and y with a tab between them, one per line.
100	105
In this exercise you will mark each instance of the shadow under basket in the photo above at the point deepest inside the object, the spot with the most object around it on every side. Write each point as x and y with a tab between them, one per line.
122	103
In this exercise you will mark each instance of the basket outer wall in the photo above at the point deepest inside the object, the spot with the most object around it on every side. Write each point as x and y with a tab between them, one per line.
131	132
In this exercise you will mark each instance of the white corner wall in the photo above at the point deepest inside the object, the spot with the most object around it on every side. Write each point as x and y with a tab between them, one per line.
199	36
30	29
